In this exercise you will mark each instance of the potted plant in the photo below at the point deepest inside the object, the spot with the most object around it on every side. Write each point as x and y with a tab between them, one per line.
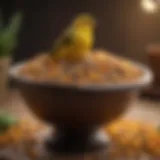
8	42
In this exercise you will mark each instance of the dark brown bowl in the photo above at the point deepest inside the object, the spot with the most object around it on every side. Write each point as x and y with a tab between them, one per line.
74	105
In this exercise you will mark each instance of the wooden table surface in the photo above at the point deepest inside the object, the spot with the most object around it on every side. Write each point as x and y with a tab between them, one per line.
143	110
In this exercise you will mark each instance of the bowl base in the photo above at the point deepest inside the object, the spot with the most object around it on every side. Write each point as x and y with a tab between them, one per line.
98	155
74	141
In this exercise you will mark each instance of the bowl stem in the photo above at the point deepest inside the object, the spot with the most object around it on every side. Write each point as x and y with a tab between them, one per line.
77	140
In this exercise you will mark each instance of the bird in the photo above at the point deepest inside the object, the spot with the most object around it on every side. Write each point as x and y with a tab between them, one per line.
76	41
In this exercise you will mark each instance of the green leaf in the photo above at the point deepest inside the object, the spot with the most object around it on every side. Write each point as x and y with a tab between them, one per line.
9	33
6	121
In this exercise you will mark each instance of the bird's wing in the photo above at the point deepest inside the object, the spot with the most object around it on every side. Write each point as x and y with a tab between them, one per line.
63	40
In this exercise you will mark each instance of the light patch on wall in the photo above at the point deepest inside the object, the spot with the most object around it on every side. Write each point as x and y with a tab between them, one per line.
150	6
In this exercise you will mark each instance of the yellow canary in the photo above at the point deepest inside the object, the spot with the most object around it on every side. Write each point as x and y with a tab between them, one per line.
76	41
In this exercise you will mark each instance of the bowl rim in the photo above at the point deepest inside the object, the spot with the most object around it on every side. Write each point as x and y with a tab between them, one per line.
141	82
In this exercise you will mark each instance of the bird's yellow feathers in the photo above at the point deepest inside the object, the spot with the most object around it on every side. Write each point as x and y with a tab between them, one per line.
77	40
84	19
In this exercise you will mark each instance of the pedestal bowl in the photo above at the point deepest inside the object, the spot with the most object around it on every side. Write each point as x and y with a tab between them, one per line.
78	111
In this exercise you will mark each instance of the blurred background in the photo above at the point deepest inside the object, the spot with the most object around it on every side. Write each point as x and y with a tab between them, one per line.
126	27
129	28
